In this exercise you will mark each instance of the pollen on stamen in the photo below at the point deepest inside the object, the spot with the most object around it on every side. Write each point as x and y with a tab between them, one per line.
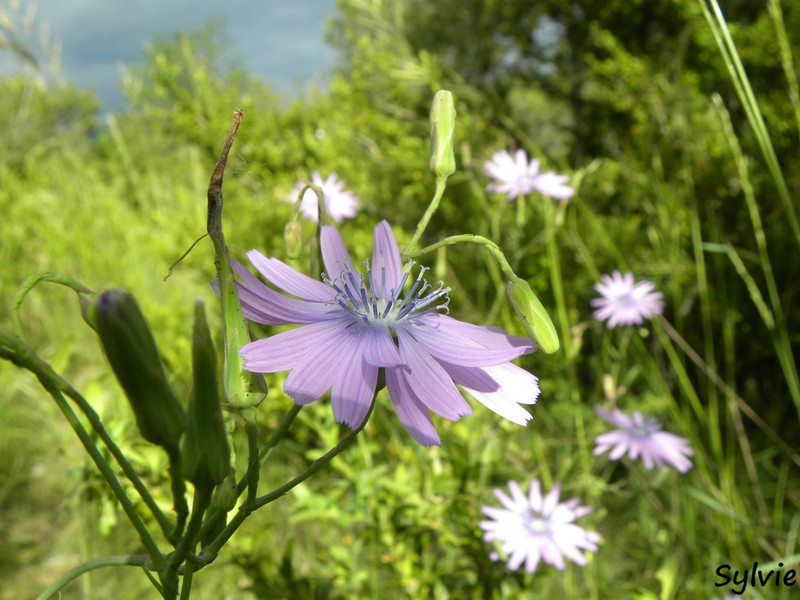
358	296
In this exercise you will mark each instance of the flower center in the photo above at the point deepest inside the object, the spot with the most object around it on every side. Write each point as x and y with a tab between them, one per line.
358	296
534	523
644	427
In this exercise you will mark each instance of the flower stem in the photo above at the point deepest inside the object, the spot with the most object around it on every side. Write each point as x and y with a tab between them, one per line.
32	281
468	238
441	184
94	419
14	350
123	560
212	550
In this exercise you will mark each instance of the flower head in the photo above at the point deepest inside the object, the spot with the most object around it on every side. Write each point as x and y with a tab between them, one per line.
357	323
533	528
515	176
624	302
339	203
637	435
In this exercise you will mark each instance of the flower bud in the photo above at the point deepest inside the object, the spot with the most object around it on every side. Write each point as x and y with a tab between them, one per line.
293	239
132	353
206	455
226	494
443	122
534	317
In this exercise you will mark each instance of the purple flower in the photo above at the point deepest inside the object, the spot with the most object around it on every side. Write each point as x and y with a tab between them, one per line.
339	203
515	176
624	302
356	324
637	436
532	529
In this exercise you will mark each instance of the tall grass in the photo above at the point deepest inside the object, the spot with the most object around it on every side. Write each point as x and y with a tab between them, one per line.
391	518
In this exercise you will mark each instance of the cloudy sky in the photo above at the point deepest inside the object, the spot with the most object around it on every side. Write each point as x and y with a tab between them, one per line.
278	40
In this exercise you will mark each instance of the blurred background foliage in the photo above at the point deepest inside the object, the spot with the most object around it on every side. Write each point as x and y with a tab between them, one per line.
618	94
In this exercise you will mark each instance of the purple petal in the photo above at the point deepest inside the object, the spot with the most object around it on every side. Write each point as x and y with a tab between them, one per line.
411	412
615	417
283	351
387	270
379	348
429	381
290	280
491	338
334	254
450	343
500	388
354	384
264	305
315	372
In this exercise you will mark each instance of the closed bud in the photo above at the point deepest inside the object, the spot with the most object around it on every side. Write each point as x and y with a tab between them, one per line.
133	355
226	494
206	454
534	317
443	123
293	239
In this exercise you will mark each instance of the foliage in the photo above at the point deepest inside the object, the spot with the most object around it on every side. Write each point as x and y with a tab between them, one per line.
618	94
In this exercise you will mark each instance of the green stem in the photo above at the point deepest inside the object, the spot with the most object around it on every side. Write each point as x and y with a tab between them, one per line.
468	238
556	282
97	426
186	587
13	349
441	184
178	486
32	281
94	419
522	216
263	454
554	264
253	463
202	498
212	550
278	434
124	560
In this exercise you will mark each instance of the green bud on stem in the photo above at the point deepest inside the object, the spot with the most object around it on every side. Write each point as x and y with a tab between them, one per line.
443	122
133	355
534	317
206	454
293	239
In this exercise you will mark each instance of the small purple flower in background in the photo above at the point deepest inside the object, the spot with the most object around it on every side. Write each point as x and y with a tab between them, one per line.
532	529
637	436
515	176
356	325
339	203
624	302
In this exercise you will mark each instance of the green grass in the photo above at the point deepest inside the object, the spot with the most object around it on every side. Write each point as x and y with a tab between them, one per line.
389	518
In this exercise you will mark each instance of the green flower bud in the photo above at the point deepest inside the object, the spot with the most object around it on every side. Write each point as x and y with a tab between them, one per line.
206	455
132	353
443	122
226	494
293	239
534	317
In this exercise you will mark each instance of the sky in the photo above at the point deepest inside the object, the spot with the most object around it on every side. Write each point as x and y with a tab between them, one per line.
280	41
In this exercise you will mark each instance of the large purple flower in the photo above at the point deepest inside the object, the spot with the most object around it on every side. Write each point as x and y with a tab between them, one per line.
356	324
638	436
